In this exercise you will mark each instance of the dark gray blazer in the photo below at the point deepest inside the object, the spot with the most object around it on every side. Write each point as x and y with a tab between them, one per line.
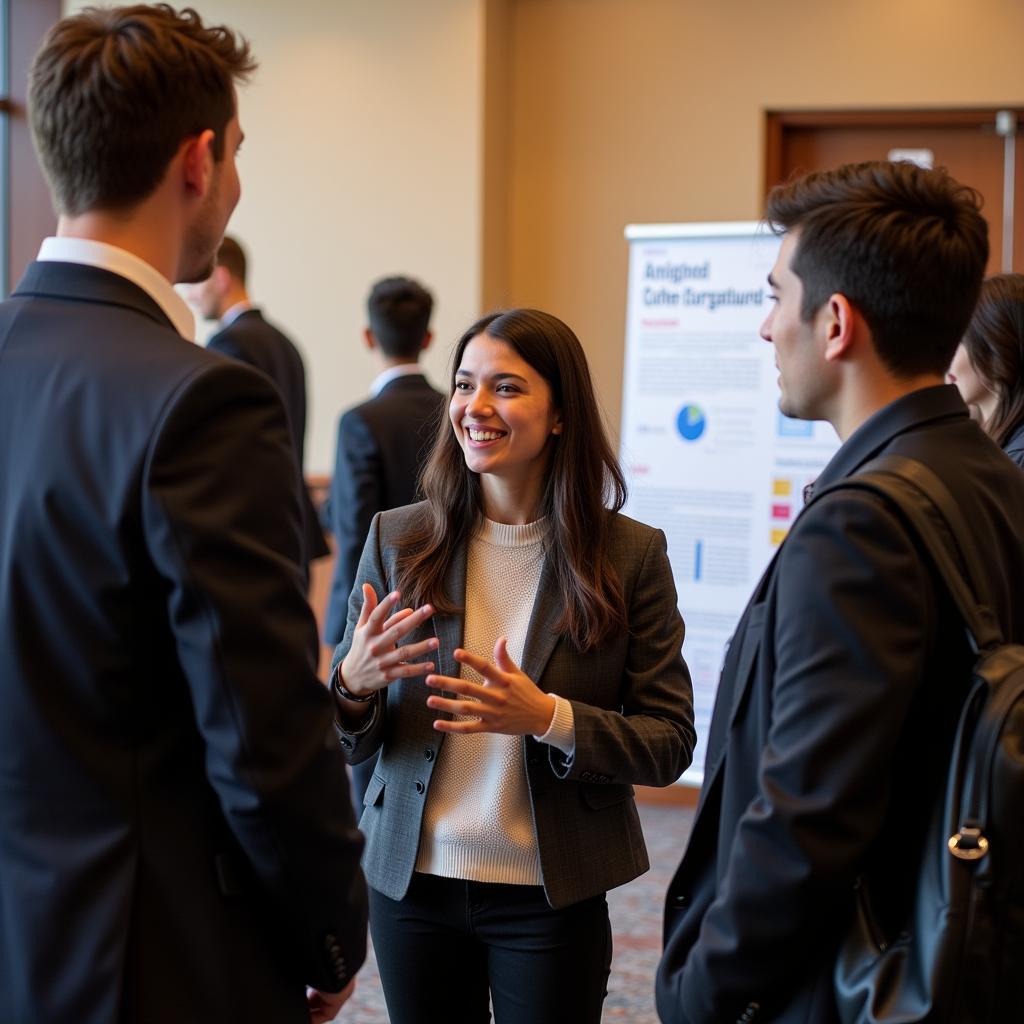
632	705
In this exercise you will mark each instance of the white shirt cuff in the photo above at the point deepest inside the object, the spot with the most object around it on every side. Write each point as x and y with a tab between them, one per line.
562	730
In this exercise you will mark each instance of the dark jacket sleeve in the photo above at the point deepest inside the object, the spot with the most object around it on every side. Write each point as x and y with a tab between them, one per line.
355	498
849	659
223	525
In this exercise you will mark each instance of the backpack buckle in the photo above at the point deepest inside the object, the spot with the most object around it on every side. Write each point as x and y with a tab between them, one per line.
968	844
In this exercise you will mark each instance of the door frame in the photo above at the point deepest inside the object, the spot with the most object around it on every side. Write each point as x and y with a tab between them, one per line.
778	121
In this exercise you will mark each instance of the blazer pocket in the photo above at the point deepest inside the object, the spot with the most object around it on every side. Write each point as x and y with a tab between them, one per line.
598	796
374	795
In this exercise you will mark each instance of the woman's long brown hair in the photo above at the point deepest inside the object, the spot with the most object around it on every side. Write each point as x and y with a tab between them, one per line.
584	480
994	340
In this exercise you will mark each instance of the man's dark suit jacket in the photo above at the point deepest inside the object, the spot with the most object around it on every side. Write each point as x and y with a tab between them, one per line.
832	728
382	445
176	842
255	341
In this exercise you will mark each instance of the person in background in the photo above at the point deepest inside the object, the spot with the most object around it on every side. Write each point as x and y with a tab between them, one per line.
843	684
382	444
501	807
988	367
244	334
176	841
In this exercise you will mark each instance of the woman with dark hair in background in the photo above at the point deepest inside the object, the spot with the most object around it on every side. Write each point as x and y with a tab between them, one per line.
988	368
501	806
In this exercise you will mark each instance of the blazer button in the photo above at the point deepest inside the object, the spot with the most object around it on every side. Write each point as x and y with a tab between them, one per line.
680	901
419	786
429	753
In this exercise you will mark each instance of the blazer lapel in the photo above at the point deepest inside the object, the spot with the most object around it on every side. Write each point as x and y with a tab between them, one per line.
749	632
448	628
540	635
750	644
736	675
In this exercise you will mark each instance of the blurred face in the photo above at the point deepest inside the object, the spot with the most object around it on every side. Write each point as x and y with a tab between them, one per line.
804	377
206	231
502	413
962	373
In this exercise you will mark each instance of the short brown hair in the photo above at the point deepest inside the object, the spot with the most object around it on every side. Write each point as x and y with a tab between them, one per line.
906	245
113	92
232	256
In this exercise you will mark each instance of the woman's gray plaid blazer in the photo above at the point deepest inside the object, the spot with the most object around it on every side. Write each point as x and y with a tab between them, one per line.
632	707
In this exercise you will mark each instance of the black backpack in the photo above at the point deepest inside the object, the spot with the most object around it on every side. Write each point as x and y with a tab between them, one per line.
960	956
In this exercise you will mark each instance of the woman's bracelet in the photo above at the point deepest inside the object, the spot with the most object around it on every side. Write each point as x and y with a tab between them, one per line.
340	687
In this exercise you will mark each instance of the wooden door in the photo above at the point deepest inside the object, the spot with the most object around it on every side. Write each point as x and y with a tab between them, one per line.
965	142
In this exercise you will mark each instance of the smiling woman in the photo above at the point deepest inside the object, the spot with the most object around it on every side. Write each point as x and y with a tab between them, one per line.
501	806
504	418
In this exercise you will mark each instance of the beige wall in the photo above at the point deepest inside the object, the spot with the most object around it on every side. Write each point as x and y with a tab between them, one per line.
652	110
497	148
362	158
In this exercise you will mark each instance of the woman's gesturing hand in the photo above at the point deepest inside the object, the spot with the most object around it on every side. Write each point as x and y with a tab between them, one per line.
375	657
508	702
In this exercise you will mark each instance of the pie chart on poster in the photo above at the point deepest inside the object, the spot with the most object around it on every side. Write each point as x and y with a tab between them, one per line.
691	422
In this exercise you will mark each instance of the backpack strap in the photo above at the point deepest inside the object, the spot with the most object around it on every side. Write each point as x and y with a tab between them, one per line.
932	512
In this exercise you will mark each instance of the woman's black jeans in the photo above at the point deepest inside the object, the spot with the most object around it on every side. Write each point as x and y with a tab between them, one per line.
451	946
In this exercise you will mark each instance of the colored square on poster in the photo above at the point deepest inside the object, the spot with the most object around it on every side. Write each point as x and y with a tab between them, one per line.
778	536
781	487
780	511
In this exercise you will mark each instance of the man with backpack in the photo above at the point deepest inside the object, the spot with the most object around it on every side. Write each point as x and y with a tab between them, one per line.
836	714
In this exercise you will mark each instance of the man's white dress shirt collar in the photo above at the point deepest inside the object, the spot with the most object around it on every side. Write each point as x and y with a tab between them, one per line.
393	373
127	265
232	313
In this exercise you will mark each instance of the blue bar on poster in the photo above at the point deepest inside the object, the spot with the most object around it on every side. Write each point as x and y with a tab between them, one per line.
697	551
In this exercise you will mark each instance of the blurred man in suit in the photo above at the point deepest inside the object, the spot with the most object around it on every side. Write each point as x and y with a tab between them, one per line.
841	689
177	840
382	443
244	334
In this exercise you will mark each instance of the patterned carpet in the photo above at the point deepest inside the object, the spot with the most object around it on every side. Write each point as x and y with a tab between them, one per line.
636	923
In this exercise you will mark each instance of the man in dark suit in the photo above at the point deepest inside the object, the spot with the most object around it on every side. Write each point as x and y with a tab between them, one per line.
842	686
178	843
382	444
244	334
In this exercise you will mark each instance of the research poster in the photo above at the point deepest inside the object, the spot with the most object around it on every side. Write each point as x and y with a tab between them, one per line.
708	456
